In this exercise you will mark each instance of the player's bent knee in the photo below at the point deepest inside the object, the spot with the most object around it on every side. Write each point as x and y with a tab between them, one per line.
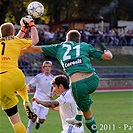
11	111
41	121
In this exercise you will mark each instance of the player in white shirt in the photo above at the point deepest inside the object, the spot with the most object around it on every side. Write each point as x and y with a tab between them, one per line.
65	103
42	81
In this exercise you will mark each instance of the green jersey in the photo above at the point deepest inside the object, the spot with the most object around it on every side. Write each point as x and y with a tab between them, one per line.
73	57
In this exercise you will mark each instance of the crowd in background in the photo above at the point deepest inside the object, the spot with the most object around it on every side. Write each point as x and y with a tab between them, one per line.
113	37
29	67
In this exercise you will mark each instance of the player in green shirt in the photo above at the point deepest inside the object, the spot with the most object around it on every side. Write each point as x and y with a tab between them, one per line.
74	57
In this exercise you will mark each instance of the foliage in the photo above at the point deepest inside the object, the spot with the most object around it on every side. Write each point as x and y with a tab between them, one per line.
58	10
10	18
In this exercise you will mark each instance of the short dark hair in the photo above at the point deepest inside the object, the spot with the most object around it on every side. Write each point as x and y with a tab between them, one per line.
74	35
7	29
61	79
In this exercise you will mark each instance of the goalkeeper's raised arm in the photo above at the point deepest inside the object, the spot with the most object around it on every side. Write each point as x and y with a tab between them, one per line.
28	22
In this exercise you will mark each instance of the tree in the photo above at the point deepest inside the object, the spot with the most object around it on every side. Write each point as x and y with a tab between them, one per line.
58	10
4	4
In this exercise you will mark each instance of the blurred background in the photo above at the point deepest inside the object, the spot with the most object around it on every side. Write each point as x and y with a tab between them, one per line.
106	21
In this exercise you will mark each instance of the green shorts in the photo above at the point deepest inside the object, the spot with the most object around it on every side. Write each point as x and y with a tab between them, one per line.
81	90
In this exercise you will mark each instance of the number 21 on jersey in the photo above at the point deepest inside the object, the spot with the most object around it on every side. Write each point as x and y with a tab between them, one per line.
67	54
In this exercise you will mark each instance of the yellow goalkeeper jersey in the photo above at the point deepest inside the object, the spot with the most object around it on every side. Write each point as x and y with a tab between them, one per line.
10	48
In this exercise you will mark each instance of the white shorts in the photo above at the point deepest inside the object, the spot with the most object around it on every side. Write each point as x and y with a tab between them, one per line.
40	110
73	129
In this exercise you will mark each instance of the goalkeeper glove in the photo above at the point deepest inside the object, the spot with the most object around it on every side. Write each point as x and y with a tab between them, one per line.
28	19
24	25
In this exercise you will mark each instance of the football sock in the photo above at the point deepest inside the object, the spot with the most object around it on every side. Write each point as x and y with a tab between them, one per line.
23	93
30	126
78	117
79	114
19	127
91	125
37	120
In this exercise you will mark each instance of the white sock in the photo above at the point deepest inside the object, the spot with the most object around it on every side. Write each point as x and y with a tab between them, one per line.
30	126
37	120
79	112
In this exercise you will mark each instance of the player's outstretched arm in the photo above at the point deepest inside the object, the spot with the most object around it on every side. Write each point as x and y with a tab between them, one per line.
107	55
31	49
48	104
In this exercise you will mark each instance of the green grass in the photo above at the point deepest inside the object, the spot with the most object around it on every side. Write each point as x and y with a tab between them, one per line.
111	110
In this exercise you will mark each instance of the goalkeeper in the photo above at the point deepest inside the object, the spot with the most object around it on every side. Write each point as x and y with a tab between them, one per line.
12	78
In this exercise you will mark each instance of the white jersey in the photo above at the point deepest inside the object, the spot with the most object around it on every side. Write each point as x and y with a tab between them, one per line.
68	109
43	86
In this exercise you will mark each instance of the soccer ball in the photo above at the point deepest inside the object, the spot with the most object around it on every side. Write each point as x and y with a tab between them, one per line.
35	9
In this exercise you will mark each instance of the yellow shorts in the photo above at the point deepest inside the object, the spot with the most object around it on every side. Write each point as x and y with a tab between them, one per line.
11	82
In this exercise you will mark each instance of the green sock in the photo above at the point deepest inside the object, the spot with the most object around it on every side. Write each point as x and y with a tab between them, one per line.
91	125
78	117
79	114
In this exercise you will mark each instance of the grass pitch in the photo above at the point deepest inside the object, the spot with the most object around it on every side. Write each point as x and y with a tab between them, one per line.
113	112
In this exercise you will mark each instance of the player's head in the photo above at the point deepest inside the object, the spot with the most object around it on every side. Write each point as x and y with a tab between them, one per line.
47	66
60	83
73	35
7	29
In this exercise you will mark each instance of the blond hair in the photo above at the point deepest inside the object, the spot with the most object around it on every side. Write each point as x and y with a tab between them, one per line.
47	62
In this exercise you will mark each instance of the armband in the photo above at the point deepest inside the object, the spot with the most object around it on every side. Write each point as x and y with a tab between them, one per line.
23	29
31	24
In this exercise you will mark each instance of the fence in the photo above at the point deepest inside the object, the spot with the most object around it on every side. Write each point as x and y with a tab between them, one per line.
114	71
102	71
